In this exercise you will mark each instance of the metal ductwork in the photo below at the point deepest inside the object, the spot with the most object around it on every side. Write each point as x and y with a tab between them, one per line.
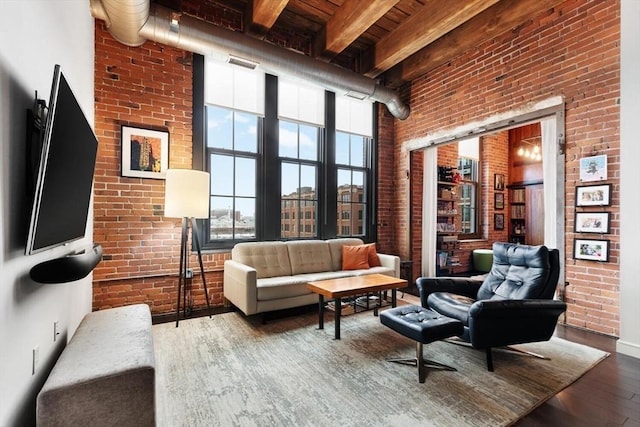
132	22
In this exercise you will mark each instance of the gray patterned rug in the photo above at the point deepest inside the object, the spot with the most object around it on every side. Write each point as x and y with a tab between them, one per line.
234	371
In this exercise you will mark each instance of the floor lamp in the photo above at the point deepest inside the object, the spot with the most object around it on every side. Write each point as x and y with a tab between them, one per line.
187	196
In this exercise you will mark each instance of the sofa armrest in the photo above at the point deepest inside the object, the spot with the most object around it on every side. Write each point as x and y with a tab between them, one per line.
497	323
390	261
464	286
240	286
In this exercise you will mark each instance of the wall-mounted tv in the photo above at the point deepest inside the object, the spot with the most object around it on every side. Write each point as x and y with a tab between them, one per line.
65	171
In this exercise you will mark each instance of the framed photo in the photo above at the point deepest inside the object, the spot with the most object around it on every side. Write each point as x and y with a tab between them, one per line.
591	250
145	152
593	168
498	200
593	195
498	181
498	221
592	222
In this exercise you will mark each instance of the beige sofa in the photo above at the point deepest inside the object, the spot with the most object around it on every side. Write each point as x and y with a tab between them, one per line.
268	276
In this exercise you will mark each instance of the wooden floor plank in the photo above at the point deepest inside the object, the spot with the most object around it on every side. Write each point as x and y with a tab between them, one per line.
607	395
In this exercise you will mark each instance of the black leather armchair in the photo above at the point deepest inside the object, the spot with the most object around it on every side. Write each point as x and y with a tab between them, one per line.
513	305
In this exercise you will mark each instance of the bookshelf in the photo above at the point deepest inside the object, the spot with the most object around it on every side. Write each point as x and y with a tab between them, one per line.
518	215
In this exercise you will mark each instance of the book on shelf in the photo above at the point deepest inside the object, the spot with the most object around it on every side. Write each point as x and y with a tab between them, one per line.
518	211
518	195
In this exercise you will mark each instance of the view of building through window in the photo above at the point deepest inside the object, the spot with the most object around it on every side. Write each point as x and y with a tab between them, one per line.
232	147
250	154
468	190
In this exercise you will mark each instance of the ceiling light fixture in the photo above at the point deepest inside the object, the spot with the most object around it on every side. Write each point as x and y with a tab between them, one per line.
242	62
530	149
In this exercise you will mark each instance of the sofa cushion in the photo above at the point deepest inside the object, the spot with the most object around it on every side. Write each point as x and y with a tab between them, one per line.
270	259
374	261
325	275
335	247
309	256
355	257
271	288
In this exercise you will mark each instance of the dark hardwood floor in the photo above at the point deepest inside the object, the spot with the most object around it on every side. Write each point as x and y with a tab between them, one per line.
607	395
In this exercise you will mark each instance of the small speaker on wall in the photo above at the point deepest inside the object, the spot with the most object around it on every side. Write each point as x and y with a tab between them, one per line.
68	268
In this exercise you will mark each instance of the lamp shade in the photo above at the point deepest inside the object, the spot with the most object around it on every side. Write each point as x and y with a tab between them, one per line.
186	194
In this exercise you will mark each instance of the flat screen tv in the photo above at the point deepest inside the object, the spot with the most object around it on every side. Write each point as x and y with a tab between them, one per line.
65	172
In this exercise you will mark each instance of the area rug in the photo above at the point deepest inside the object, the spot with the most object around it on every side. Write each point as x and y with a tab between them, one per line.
232	370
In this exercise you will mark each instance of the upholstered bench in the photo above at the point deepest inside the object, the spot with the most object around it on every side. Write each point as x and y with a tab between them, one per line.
423	326
105	375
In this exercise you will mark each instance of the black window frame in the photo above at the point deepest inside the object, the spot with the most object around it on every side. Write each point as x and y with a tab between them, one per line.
477	234
268	216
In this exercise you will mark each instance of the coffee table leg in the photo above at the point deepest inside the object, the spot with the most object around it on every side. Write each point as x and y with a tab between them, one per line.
338	309
320	311
394	298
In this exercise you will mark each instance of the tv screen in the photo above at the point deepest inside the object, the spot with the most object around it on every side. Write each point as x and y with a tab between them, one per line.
65	172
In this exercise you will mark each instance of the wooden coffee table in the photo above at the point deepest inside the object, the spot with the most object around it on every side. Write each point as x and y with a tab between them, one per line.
336	289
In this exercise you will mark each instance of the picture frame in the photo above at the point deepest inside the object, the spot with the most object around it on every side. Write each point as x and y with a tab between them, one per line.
498	221
593	168
592	222
498	181
593	195
498	201
591	249
135	142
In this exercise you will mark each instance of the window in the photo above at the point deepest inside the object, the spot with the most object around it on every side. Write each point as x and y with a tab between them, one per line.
298	153
468	201
232	151
350	160
277	172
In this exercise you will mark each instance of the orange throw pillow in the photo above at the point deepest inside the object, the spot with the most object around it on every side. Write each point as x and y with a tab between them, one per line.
355	257
374	261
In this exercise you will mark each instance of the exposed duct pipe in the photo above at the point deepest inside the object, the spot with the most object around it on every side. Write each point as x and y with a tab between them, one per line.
132	22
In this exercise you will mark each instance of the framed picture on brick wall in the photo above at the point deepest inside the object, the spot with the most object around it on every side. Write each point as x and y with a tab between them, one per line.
593	195
593	168
145	152
592	222
591	249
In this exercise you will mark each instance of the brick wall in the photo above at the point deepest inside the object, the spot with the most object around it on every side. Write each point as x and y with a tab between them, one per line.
151	86
148	87
571	51
387	185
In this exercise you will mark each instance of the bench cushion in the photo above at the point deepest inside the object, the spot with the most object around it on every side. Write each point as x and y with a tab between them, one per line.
105	374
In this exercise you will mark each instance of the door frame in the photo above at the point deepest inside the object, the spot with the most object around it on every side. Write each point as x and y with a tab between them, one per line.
552	108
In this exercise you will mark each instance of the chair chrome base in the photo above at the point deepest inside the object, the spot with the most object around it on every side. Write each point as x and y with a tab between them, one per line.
488	351
422	363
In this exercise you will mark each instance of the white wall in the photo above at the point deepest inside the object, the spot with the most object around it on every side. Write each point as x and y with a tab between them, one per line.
629	342
34	35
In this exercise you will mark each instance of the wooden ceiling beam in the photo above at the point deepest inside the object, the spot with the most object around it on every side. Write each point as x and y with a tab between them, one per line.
262	14
435	19
348	23
496	20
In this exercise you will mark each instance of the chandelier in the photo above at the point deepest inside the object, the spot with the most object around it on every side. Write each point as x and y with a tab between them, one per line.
530	149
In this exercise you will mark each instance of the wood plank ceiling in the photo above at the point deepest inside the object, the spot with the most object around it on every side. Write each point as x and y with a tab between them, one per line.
394	41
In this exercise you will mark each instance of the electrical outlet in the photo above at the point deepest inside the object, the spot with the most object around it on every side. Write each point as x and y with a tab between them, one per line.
55	331
189	273
36	359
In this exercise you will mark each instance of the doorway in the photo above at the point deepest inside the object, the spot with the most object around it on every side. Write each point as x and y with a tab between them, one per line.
424	161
